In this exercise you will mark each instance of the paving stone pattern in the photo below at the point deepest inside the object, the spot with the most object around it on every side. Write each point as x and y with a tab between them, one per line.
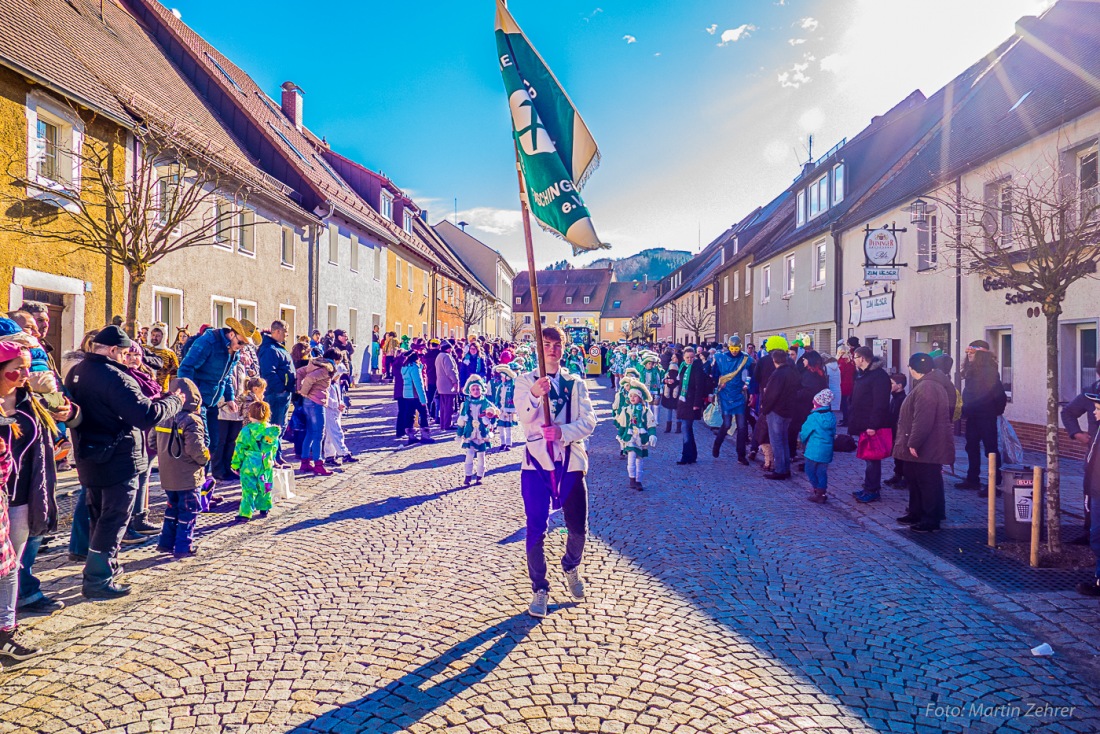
390	598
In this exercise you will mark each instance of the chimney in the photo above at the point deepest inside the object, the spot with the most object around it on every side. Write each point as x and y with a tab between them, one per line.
424	216
292	103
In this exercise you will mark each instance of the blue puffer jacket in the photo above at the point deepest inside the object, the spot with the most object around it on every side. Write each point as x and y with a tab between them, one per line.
817	435
731	397
209	364
276	368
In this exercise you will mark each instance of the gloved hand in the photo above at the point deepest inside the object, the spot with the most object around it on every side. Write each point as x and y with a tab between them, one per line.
652	441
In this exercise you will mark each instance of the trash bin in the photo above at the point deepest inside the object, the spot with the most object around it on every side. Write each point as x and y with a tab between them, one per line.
1017	487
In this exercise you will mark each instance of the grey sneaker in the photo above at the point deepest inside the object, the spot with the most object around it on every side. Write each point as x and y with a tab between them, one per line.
538	604
575	583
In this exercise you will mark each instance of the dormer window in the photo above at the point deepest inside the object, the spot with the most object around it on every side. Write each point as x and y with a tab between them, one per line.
801	208
838	183
617	304
407	225
568	300
587	299
386	205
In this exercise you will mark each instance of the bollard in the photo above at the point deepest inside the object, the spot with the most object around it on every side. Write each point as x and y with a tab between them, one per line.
992	521
1036	515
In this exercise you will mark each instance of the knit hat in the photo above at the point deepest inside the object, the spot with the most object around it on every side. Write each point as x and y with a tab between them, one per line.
921	363
9	351
823	398
475	380
13	332
635	386
506	356
506	370
112	336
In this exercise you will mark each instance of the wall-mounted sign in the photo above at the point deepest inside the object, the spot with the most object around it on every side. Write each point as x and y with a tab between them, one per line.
865	309
880	246
875	274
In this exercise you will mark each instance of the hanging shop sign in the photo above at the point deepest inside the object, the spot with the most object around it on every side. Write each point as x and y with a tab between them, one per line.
891	273
880	246
865	309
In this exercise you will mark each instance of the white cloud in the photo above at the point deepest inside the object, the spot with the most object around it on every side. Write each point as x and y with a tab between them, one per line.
630	39
657	54
491	220
712	28
733	35
795	77
796	41
812	119
808	24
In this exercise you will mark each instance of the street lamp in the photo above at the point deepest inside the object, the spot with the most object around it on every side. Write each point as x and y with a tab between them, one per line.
918	212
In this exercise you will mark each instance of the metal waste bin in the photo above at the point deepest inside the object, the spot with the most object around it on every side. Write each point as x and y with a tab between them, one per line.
1017	487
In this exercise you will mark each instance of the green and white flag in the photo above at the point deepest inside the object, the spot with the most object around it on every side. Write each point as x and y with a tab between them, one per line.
556	152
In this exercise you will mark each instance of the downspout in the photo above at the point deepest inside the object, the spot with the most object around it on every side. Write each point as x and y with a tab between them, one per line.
314	267
838	290
958	289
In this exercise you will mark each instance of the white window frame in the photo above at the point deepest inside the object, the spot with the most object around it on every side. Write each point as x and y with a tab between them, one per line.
223	227
928	243
407	221
725	289
353	326
332	316
748	281
587	299
386	205
1089	197
789	275
377	262
290	325
173	320
288	235
839	181
736	285
821	263
568	300
526	319
333	245
355	245
246	230
397	271
239	303
412	270
519	300
397	328
439	327
427	283
224	300
994	335
70	138
766	282
800	208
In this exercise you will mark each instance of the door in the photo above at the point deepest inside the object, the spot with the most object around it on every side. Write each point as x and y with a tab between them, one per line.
55	307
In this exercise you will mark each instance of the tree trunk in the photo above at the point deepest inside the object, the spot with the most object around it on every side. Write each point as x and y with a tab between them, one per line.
132	297
1054	501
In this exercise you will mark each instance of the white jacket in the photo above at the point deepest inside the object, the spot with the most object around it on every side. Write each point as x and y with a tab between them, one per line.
573	434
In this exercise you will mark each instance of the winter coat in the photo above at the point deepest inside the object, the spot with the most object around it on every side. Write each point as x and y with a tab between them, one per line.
572	403
983	394
114	413
761	373
817	435
34	477
896	399
925	422
693	392
430	358
731	396
1092	471
847	375
446	375
208	364
395	368
412	383
276	368
832	372
870	400
670	392
1081	406
473	364
181	443
810	384
313	380
781	392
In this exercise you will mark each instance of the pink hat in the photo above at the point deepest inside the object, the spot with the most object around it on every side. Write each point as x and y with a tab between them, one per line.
9	350
506	356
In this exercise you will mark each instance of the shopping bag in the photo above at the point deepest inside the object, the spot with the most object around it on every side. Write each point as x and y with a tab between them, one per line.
1012	451
283	485
876	447
712	415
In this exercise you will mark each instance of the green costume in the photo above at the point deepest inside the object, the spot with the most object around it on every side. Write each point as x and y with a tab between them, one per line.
254	460
637	427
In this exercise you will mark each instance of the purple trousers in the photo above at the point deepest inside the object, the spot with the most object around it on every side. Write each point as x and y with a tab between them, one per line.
573	492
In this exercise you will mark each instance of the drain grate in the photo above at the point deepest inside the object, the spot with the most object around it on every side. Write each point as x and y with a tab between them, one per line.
965	549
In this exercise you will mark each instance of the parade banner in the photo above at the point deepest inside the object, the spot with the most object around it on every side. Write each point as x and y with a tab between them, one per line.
556	151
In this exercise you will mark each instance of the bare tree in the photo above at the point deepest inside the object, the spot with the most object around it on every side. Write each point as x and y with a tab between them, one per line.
515	329
1034	233
475	308
692	316
626	330
178	193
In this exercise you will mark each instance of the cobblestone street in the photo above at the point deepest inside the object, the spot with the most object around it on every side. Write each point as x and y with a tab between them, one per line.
390	598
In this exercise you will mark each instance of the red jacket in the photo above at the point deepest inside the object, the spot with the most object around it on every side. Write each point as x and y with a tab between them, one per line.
847	375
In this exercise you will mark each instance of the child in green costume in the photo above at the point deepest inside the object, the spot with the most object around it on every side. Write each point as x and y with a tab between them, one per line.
637	429
254	460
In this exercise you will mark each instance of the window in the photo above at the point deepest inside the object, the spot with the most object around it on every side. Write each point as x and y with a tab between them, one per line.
223	223
748	280
378	263
766	277
838	183
1086	356
355	244
333	314
568	300
286	315
246	234
725	289
736	285
225	73
168	309
397	328
820	263
407	225
220	310
353	325
1088	182
246	310
168	179
423	328
788	275
410	278
333	244
543	320
410	331
819	196
519	300
397	272
526	320
587	299
438	327
997	220
540	300
610	325
1003	342
286	140
800	208
48	157
287	253
617	304
330	172
53	133
927	245
427	283
387	205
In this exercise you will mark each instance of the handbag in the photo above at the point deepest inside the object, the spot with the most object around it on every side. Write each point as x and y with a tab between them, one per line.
712	415
876	447
282	483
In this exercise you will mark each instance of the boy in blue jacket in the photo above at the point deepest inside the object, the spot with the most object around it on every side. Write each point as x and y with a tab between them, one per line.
817	436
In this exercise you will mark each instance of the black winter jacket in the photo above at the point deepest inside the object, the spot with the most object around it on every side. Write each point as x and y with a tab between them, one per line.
781	392
275	368
983	394
870	400
109	443
694	393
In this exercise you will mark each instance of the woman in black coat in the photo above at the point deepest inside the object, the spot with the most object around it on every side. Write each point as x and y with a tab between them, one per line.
695	387
812	381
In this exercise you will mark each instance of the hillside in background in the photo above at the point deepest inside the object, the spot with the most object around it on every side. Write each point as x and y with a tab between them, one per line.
656	263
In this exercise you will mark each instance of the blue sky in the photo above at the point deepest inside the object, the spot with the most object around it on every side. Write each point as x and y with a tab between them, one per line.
701	108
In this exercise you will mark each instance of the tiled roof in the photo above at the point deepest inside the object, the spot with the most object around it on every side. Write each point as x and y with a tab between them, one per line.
1044	76
557	285
633	298
300	158
450	264
31	45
